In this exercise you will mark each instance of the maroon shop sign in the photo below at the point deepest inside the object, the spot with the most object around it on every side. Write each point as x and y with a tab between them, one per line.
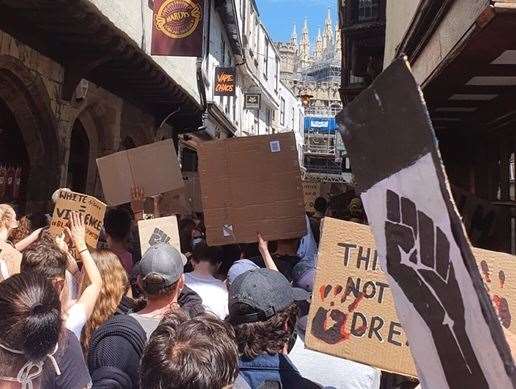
177	28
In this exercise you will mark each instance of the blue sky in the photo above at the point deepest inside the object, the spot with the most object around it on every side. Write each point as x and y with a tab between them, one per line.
280	15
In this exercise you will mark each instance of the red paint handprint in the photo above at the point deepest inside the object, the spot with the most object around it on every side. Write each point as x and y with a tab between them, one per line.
339	331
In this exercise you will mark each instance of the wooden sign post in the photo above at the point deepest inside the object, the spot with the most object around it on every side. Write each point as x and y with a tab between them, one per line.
454	334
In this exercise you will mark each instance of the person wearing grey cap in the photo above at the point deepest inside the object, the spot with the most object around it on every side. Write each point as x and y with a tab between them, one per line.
263	313
160	275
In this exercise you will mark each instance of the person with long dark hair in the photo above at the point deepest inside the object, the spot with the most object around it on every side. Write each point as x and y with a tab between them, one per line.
35	350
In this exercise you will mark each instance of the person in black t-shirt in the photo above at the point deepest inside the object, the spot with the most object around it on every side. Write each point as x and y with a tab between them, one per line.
34	347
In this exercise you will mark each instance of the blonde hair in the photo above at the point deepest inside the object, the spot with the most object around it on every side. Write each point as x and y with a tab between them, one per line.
115	285
7	217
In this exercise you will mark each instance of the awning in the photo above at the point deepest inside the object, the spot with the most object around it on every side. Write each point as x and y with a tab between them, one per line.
476	84
78	36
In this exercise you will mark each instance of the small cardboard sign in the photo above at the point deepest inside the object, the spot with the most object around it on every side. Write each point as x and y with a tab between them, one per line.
311	191
152	167
91	209
353	315
10	260
161	230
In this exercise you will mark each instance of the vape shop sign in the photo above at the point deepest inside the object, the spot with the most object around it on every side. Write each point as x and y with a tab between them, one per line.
225	81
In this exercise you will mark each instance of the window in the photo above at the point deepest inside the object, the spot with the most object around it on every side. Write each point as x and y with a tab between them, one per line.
367	10
266	59
268	118
282	111
293	117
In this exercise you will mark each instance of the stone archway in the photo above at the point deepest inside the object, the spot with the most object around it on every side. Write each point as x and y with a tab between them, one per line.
27	98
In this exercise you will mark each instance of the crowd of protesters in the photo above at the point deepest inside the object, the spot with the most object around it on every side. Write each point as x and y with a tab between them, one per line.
206	317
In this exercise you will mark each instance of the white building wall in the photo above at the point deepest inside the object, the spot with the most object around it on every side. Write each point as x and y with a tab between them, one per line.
127	15
293	118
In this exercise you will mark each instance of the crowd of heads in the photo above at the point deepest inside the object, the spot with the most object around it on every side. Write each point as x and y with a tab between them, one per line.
156	322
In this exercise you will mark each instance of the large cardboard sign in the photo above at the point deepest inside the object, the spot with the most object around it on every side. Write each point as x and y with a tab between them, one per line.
91	209
161	230
251	184
10	261
352	314
454	334
153	167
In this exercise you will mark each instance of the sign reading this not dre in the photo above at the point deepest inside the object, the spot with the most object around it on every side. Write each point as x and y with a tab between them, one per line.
352	314
161	230
225	81
91	209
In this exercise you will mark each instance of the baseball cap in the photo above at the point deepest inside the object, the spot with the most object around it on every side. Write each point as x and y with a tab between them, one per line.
240	267
265	291
164	261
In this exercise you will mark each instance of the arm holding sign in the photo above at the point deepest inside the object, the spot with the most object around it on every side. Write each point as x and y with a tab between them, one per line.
137	202
89	296
71	264
266	255
28	240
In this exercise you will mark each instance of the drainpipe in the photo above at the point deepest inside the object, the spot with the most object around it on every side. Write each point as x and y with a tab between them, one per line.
205	58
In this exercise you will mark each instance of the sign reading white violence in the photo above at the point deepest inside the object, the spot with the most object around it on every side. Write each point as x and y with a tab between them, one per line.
91	209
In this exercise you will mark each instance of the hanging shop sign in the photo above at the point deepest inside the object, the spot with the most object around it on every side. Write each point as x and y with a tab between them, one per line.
177	28
225	81
252	100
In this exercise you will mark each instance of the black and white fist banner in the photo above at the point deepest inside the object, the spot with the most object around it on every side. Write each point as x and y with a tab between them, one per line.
454	335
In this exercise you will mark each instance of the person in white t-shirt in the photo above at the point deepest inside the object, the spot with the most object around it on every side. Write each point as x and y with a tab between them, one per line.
213	292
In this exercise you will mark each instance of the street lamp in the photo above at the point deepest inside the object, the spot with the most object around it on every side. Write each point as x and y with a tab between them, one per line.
305	98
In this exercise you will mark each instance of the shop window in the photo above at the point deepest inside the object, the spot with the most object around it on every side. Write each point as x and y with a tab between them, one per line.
282	112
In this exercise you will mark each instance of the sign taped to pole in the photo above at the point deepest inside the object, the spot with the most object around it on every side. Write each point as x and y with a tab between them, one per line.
454	334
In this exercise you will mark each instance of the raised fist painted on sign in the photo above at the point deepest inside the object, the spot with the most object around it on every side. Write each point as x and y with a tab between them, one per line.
418	258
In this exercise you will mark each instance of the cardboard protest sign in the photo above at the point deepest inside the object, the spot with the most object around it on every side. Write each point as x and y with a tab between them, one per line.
161	230
311	190
91	209
454	334
153	167
251	184
10	261
352	314
352	291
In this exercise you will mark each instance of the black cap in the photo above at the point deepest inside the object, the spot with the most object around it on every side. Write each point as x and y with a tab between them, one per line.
265	291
